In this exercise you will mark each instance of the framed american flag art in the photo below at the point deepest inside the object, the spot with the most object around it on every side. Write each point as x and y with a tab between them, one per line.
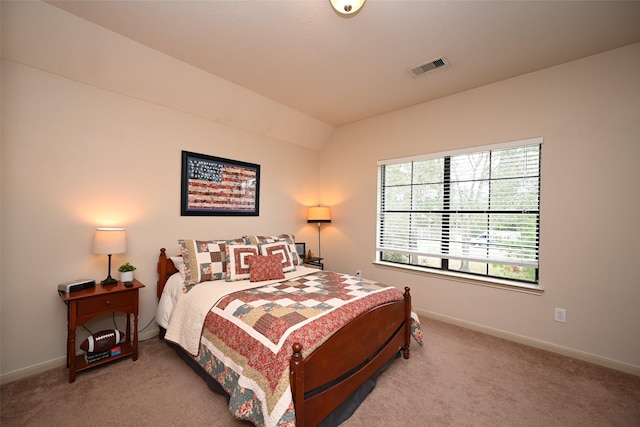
216	186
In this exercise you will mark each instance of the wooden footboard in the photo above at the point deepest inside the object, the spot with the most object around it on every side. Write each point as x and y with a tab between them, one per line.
329	375
333	372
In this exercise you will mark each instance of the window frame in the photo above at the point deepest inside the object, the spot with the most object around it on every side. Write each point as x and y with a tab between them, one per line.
444	268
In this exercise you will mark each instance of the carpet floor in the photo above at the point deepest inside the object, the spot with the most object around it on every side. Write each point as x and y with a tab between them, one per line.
459	378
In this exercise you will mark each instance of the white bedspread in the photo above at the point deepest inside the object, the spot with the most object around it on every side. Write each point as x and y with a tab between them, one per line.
190	309
170	294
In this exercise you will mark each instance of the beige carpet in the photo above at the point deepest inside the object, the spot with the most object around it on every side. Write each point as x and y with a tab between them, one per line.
460	378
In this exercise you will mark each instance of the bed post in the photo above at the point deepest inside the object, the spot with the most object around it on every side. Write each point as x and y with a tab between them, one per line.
407	319
296	380
162	272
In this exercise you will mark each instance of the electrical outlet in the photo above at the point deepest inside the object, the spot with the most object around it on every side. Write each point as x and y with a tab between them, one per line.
359	274
560	315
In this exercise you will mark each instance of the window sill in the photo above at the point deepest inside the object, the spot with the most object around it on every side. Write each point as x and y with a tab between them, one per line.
463	278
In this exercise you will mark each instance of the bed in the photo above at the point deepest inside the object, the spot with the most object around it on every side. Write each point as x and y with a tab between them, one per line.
300	350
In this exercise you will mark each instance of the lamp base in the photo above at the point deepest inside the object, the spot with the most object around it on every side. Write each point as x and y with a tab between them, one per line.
109	281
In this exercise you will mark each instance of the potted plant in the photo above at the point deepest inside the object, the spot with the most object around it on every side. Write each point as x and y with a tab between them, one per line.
126	272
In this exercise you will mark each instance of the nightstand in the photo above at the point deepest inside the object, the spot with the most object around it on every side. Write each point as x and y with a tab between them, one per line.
315	261
86	304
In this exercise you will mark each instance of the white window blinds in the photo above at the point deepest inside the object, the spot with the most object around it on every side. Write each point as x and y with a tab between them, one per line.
478	205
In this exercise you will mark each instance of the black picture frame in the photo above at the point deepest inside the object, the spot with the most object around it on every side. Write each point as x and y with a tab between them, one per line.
215	186
301	249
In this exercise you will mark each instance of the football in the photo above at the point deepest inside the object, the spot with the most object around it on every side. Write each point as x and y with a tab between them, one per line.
102	341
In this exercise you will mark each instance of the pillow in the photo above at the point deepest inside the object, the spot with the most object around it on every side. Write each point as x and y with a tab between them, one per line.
178	263
256	240
204	260
238	265
291	241
280	249
265	267
238	241
288	238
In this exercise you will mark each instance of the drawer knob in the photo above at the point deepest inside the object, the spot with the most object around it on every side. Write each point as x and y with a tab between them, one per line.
108	302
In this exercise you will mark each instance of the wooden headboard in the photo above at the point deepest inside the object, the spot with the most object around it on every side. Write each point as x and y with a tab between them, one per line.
165	270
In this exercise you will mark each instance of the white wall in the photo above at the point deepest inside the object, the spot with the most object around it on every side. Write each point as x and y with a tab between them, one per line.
51	39
588	113
77	154
94	138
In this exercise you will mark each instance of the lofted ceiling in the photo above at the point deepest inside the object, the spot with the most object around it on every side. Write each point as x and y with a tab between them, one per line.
343	69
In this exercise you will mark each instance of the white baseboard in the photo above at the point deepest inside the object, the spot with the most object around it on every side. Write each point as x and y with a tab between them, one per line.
543	345
554	348
18	374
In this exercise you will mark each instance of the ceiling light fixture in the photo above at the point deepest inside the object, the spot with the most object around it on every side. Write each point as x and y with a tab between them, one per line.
347	7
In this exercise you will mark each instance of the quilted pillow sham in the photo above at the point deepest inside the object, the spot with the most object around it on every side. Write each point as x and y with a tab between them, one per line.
238	265
290	239
280	249
265	267
204	260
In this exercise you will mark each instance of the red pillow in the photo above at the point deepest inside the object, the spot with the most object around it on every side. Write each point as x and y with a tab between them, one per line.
265	267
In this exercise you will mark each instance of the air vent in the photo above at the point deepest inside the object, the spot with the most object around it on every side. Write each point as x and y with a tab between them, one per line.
428	67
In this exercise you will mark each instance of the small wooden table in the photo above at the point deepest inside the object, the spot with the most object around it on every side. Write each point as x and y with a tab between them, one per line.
86	304
315	261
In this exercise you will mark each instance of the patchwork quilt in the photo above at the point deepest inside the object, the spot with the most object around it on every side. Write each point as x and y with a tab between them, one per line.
247	336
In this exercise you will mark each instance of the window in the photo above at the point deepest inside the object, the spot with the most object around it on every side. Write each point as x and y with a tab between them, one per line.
474	212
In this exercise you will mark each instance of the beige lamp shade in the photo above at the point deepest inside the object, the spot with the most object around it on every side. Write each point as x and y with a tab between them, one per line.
110	241
319	214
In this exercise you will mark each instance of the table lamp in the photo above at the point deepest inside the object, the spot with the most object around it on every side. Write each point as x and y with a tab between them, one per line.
109	241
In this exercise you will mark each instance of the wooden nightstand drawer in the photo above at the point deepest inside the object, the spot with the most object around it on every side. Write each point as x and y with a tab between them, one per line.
115	302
